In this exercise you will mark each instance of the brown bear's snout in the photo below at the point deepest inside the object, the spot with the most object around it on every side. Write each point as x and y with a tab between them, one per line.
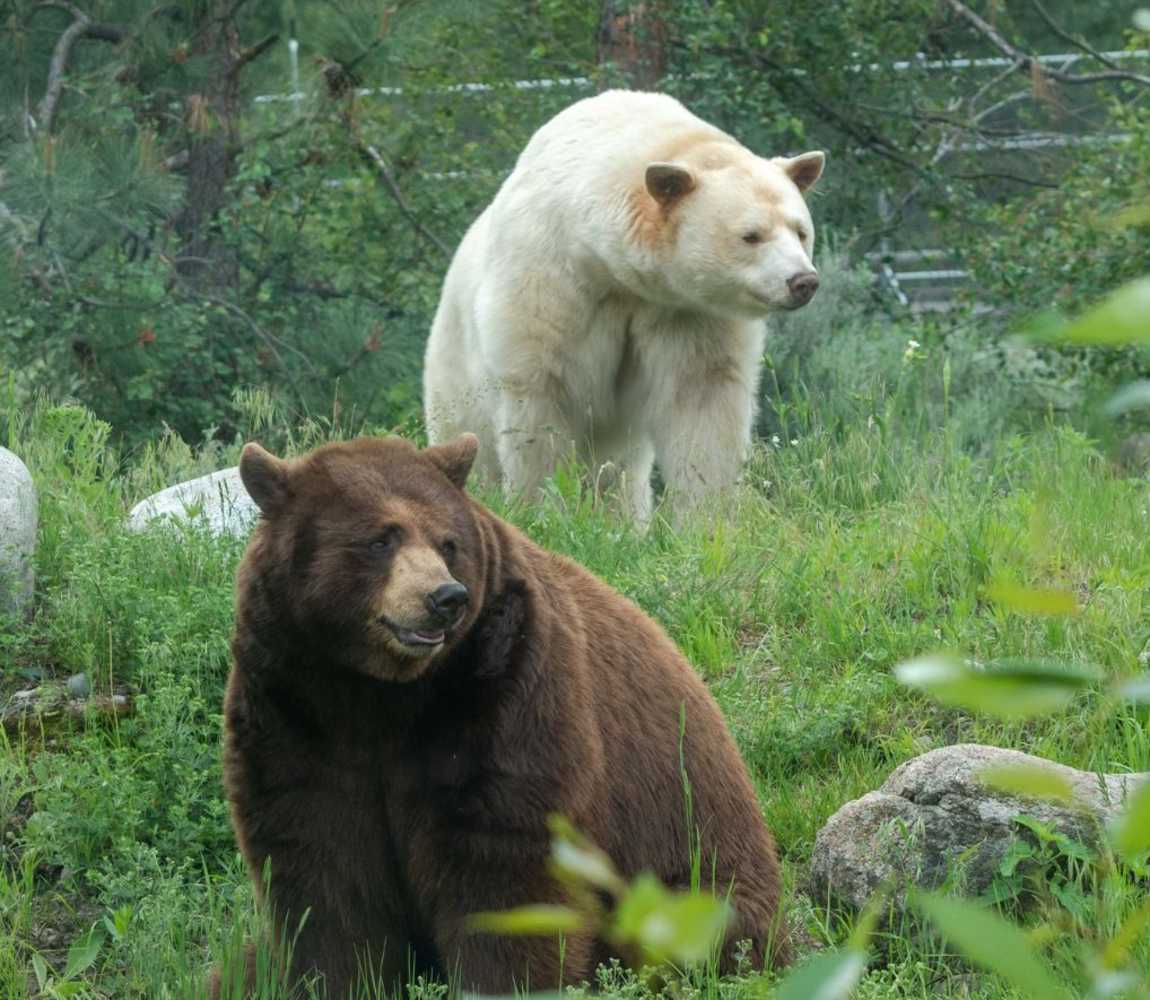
802	288
447	601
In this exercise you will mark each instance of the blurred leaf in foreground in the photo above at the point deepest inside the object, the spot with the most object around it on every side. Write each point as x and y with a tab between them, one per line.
832	975
1008	689
681	927
1135	689
1033	600
542	919
988	940
1028	780
575	860
1135	396
1131	829
1123	317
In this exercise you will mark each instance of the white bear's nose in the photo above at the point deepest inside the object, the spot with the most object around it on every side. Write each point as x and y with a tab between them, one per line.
802	287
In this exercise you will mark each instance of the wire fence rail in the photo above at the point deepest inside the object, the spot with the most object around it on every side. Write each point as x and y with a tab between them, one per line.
918	279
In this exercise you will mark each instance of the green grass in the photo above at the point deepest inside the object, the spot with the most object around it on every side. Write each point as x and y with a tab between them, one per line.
869	539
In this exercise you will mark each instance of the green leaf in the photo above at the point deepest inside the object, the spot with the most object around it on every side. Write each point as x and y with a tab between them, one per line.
644	896
575	859
833	975
40	967
1030	780
1034	600
1131	830
1123	317
1048	835
1135	689
1134	396
1008	689
543	919
677	927
83	952
991	942
1018	852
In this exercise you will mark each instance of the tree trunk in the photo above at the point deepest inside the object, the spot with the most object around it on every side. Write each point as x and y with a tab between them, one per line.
212	122
633	42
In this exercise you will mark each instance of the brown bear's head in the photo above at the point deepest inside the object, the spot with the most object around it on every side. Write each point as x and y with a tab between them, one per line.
372	543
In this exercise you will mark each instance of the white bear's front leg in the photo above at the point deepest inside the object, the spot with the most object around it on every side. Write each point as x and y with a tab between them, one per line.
630	462
701	439
532	435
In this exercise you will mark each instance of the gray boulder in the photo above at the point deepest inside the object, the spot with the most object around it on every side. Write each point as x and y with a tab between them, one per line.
19	515
934	819
1134	454
219	500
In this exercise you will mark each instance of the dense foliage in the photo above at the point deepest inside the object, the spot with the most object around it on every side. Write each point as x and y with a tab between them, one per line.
176	227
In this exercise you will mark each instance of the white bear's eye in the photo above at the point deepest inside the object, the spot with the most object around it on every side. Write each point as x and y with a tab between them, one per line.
802	234
753	237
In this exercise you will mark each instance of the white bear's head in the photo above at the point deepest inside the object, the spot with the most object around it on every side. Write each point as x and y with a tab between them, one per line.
731	231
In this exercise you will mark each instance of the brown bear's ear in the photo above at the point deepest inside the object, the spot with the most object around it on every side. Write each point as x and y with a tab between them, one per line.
804	169
455	458
265	477
668	182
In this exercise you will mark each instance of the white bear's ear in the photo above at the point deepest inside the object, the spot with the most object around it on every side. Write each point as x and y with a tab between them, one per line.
455	458
265	477
668	182
804	169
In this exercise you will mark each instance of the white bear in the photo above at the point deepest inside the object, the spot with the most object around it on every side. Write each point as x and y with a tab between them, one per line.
611	300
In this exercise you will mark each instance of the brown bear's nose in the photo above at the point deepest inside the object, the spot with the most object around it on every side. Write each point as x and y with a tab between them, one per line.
447	600
803	287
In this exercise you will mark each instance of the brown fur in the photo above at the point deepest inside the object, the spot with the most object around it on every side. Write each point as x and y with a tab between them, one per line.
396	795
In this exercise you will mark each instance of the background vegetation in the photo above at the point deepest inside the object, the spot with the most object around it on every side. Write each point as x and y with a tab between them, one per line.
177	227
185	265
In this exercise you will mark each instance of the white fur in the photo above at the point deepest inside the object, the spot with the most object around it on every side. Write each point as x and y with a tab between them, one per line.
581	312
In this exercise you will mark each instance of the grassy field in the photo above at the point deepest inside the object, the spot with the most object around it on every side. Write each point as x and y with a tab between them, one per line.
882	501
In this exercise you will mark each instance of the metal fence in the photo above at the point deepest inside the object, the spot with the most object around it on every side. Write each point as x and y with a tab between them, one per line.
921	279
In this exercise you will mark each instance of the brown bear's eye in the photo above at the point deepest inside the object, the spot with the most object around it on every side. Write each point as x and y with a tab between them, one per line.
753	237
384	542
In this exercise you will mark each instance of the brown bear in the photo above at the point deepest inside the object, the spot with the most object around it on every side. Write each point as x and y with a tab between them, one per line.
416	686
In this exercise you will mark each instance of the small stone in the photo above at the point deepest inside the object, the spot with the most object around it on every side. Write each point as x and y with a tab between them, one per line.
1134	454
79	687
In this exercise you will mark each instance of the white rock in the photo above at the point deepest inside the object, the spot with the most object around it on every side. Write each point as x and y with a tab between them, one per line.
219	500
19	514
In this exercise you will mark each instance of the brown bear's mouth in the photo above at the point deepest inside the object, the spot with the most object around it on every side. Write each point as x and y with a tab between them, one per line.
415	637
